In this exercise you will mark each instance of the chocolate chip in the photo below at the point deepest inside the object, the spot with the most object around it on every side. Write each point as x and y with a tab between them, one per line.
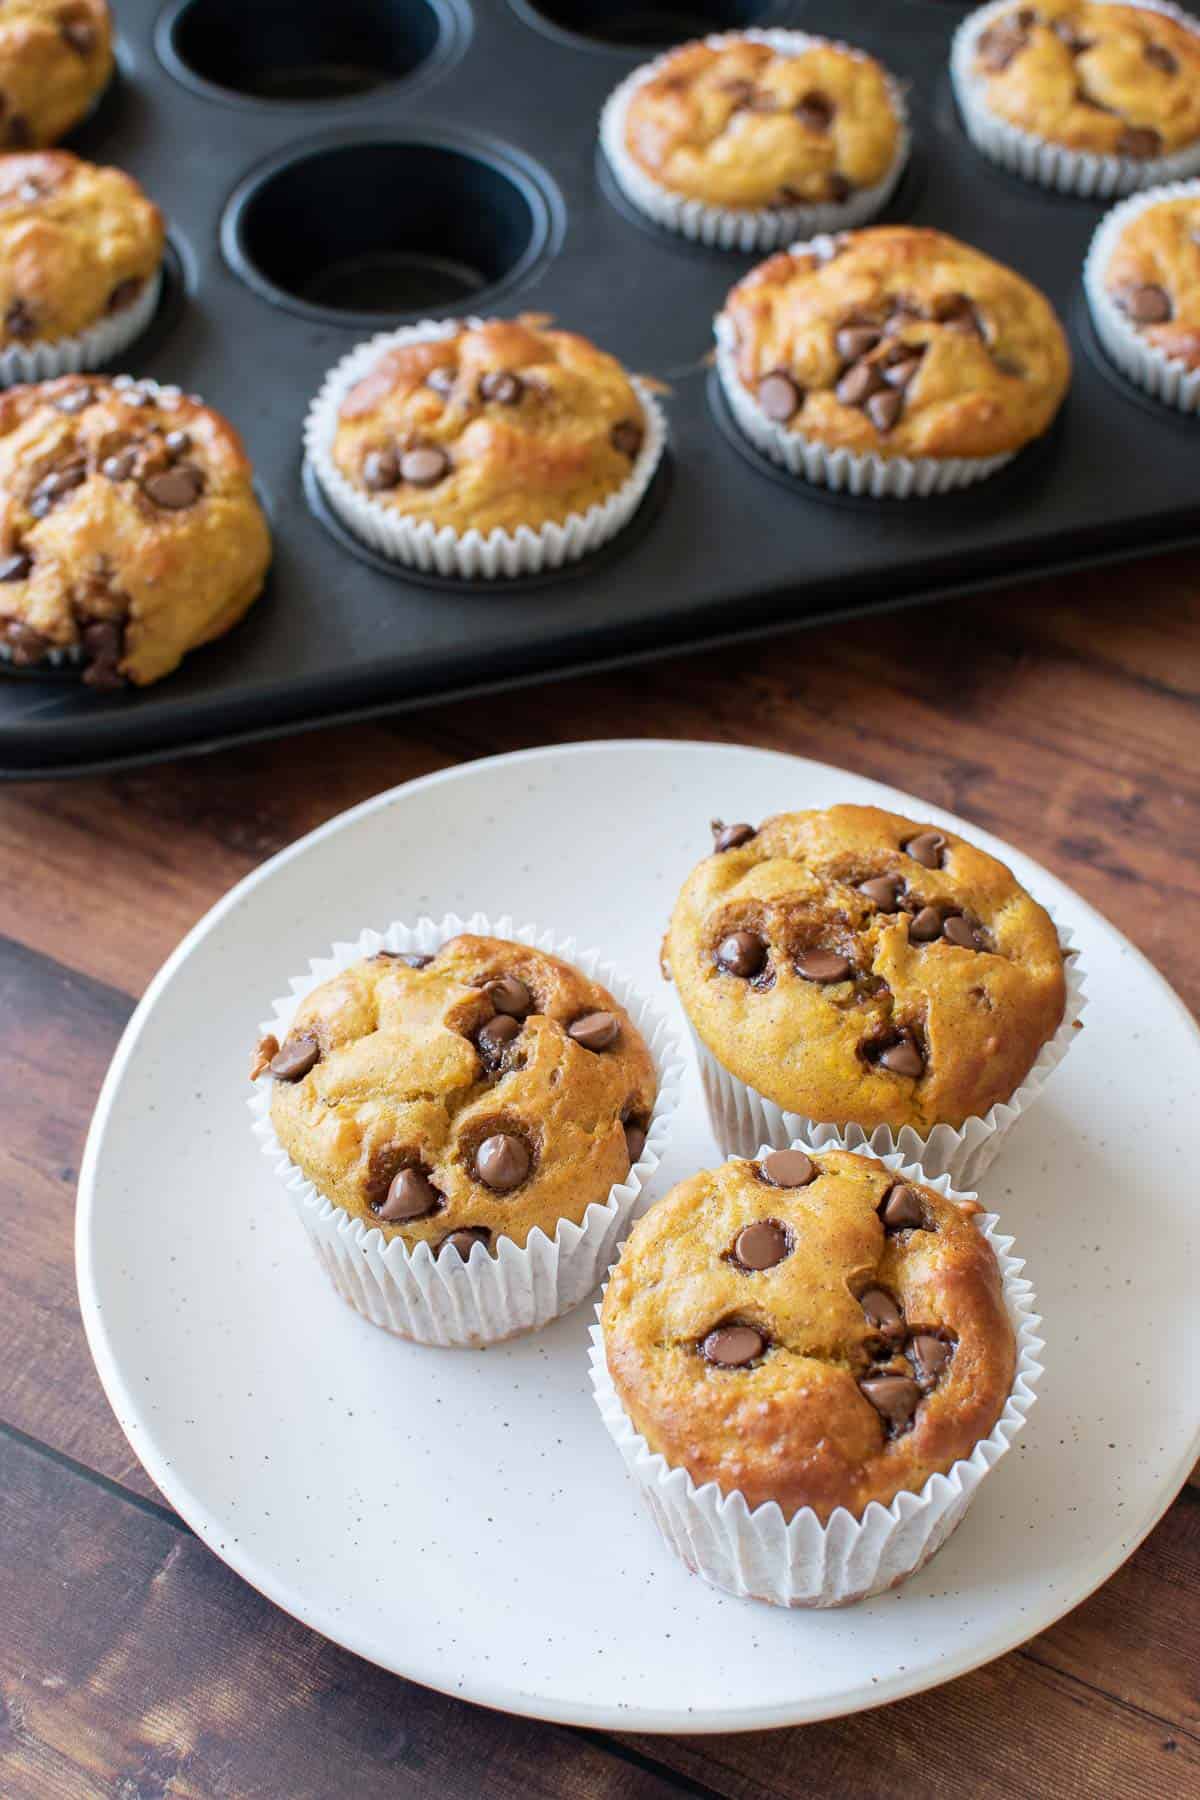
883	1313
733	1346
75	400
175	489
19	321
424	466
927	848
502	1162
858	384
635	1140
740	91
894	1397
761	1245
380	470
730	837
26	646
501	386
508	994
742	953
80	35
900	1208
120	466
824	966
853	341
178	442
297	1057
929	1355
596	1030
882	891
1161	58
20	133
411	1196
464	1240
903	1058
124	294
924	926
899	374
788	1169
626	437
415	959
815	111
494	1037
442	380
884	409
1148	304
16	567
958	312
779	396
1071	36
838	187
998	46
956	930
1139	141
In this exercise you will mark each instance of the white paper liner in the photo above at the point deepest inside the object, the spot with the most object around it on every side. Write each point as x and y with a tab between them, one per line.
1164	377
440	549
743	1119
100	343
1036	158
761	1556
744	228
855	472
444	1300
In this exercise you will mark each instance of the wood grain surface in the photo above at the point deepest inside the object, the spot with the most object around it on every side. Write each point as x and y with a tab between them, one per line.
133	1664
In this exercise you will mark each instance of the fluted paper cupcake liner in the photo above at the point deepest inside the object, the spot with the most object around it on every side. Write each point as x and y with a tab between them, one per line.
742	1119
1164	377
99	344
1036	158
744	228
439	549
760	1555
856	472
486	1298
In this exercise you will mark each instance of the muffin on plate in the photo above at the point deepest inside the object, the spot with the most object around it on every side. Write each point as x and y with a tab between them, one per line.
746	139
55	58
890	361
129	528
80	252
1087	96
1142	280
484	447
815	1334
853	968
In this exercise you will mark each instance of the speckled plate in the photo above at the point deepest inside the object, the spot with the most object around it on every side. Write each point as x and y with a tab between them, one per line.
462	1517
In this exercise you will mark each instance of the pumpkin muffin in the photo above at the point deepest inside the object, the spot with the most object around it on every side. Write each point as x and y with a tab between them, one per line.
857	967
809	1330
463	1096
1142	280
55	58
129	528
892	342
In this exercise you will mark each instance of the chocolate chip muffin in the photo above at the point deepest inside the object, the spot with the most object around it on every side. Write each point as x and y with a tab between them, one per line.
78	244
55	57
130	529
892	342
854	966
1142	281
461	1097
810	1330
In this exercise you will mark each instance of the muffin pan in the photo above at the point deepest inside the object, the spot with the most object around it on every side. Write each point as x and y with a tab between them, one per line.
329	171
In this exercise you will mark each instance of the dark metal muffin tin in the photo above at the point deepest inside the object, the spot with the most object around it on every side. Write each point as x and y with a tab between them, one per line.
329	168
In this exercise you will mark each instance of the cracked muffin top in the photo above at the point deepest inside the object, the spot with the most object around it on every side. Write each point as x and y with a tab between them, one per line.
856	967
502	424
55	57
810	1330
462	1096
1153	275
898	340
739	123
76	242
1108	79
129	529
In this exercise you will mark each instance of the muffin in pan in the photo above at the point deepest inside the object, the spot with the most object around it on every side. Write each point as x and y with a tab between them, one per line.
890	361
484	447
1091	97
80	254
1142	280
55	58
746	139
129	527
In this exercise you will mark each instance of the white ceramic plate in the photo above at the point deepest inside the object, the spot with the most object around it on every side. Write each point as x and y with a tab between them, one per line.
462	1517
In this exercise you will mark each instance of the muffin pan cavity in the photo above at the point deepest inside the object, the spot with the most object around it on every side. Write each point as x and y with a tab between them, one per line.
638	25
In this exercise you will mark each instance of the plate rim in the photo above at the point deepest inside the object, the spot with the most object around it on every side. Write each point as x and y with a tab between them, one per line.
483	1689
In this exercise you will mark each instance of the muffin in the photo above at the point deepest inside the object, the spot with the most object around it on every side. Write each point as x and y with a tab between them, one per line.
129	529
850	967
446	1098
1142	280
55	58
890	361
80	250
1086	96
492	447
814	1332
747	139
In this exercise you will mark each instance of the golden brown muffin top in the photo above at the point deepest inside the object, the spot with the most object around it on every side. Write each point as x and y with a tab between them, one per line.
76	242
129	530
55	56
474	1093
1153	275
809	1330
856	966
899	340
502	424
739	123
1111	80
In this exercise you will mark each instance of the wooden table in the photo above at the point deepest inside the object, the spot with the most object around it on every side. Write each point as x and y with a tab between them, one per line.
132	1663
